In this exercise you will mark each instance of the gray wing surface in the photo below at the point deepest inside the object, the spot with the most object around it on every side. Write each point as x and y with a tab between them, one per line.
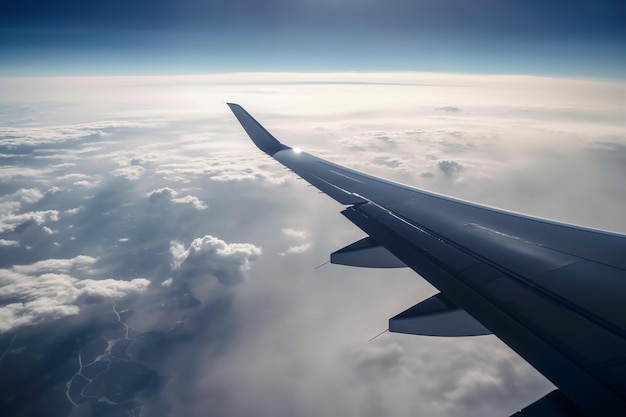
555	293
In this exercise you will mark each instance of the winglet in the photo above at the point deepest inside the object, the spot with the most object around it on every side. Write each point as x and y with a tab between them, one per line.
259	135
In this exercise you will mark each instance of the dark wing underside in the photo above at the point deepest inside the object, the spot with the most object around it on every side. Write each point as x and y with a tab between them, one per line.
553	292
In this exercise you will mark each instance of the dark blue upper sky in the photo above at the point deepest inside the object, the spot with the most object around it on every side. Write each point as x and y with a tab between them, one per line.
580	38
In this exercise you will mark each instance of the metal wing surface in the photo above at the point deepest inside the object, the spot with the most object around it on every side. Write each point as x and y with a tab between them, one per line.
555	293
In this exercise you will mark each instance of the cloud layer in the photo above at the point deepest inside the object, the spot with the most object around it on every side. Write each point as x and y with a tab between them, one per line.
55	288
130	191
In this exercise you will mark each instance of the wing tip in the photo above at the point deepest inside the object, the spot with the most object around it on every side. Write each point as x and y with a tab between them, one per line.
259	135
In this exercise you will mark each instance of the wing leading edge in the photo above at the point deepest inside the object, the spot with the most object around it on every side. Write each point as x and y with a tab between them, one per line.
553	292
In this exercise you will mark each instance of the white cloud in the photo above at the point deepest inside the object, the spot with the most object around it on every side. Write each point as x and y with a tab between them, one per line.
296	249
298	235
86	184
167	193
133	172
28	195
23	195
49	230
9	221
74	210
6	242
37	136
189	199
242	166
167	282
161	193
210	256
294	233
52	289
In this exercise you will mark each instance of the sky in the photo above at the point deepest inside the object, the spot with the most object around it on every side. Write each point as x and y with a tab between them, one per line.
163	37
153	262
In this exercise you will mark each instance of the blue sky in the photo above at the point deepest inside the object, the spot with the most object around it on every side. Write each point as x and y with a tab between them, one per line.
73	37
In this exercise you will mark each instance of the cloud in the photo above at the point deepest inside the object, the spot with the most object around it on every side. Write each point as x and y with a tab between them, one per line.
160	194
86	184
74	210
37	136
49	231
210	256
30	195
168	194
189	199
23	195
388	162
373	359
9	221
54	288
237	167
294	233
132	172
450	168
521	131
450	109
298	235
296	249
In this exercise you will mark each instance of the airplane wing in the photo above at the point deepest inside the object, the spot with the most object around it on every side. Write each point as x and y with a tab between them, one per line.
555	293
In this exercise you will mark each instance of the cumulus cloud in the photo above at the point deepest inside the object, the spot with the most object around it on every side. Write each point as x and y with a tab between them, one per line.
450	168
168	194
55	288
28	195
9	221
6	242
210	256
160	194
189	199
23	195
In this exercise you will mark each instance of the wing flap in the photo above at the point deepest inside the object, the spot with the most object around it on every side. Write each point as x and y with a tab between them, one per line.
437	316
366	253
